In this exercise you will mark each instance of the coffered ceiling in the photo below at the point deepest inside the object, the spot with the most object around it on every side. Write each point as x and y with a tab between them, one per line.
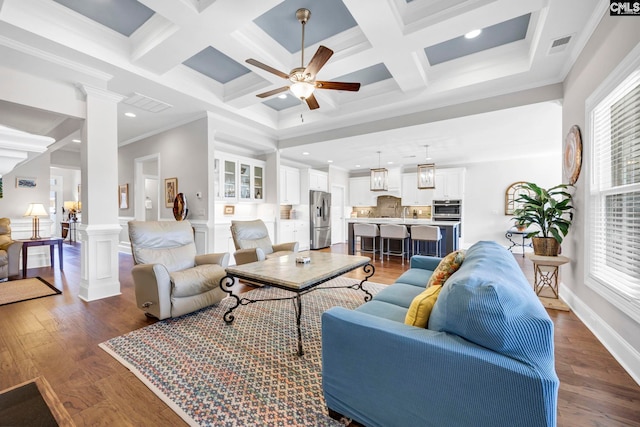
185	57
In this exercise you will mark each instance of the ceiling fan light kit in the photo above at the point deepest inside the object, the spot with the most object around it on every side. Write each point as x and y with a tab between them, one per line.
303	79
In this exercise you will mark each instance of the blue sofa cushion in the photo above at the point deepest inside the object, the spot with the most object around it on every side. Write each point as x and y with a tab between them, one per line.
489	302
399	294
416	277
384	310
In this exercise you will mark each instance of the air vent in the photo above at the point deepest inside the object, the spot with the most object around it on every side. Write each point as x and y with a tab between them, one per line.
559	44
146	103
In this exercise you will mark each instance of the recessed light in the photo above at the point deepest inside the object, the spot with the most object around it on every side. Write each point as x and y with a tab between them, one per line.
130	114
472	34
389	163
357	166
77	141
329	161
305	153
282	96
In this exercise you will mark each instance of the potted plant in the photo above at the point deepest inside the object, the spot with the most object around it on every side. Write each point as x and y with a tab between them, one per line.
520	226
551	211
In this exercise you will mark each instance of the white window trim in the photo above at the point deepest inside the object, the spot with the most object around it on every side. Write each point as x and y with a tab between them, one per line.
629	303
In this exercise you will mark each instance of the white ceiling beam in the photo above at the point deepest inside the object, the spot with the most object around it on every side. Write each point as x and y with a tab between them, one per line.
387	38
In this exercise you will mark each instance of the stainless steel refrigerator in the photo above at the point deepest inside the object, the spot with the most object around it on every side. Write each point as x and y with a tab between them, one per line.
320	211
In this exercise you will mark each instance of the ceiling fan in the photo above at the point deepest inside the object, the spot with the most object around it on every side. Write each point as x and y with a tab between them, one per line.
303	79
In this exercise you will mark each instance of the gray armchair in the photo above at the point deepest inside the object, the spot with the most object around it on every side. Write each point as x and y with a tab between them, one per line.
252	242
170	279
9	251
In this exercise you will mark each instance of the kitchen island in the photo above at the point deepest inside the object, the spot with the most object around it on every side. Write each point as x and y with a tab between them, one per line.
450	230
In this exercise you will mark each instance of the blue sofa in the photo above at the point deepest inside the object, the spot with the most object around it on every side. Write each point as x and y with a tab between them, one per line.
485	359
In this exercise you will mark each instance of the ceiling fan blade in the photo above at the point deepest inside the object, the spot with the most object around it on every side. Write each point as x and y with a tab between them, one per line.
272	92
267	68
353	87
319	59
312	102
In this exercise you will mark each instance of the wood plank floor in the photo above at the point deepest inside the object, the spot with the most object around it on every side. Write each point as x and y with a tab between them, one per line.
57	338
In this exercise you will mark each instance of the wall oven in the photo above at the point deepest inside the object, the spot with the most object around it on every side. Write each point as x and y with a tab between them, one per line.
446	210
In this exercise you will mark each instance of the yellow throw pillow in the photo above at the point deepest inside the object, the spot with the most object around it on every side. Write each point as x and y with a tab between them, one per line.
421	306
448	265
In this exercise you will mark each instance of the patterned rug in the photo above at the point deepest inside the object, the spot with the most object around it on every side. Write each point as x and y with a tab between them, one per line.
25	289
246	373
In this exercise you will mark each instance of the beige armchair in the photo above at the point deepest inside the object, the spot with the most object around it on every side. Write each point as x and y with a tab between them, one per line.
170	279
252	242
9	251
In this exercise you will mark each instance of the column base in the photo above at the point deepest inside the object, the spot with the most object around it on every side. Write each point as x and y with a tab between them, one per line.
99	271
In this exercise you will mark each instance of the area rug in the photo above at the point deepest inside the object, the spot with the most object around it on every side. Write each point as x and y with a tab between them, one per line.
32	403
245	373
25	289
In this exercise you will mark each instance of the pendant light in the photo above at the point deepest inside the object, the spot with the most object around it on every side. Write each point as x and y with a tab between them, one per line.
379	177
427	173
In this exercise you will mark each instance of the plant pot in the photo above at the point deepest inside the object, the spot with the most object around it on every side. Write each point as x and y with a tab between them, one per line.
545	246
521	227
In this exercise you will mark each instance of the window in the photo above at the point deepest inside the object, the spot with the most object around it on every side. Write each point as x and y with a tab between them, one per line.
613	199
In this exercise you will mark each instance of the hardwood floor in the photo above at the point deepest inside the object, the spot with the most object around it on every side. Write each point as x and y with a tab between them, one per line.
57	338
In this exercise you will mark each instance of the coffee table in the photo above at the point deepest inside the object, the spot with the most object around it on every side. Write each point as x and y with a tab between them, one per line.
285	273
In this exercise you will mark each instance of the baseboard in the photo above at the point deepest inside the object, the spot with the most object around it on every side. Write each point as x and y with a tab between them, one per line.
621	350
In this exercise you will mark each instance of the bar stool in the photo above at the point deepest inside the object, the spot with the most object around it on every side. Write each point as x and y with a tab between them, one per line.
425	233
366	230
393	232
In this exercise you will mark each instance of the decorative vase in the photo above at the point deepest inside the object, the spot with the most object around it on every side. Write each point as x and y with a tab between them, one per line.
545	246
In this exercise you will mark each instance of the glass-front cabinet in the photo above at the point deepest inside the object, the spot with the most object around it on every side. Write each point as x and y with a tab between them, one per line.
258	178
245	181
230	179
242	178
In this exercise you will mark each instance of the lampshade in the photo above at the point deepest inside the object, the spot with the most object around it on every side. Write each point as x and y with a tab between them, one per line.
68	205
36	209
302	90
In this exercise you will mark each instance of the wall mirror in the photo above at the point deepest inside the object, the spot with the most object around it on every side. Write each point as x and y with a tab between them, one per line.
513	193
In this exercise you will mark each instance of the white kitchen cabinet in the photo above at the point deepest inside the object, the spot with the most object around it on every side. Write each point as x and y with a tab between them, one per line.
295	231
289	185
449	184
318	180
239	179
411	194
360	193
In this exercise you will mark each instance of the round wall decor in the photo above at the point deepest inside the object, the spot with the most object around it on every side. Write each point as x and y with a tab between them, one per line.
572	155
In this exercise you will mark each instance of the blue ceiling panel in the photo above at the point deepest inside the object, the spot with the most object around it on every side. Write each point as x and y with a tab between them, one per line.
123	16
496	35
280	104
372	74
215	64
328	18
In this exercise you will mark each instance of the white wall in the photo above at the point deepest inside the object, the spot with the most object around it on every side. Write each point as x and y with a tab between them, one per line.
612	40
485	186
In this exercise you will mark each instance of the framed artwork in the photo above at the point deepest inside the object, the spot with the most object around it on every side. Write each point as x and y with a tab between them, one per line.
170	191
229	209
427	176
572	155
25	182
123	196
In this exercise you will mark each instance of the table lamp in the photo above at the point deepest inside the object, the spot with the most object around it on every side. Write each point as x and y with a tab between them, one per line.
36	210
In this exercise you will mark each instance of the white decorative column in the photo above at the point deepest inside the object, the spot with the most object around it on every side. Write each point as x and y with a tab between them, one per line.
99	231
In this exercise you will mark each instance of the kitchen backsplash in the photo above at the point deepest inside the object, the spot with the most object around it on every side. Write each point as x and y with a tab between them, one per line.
421	212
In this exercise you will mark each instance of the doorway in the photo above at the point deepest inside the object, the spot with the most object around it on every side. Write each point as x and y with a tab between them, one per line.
147	188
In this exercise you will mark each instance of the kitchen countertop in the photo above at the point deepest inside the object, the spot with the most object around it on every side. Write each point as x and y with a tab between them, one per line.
407	221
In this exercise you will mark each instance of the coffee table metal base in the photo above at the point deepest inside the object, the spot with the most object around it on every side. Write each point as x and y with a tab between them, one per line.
227	282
